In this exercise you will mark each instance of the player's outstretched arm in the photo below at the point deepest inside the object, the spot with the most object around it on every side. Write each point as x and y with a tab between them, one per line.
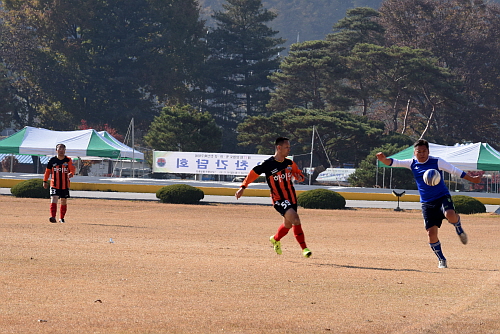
385	160
473	179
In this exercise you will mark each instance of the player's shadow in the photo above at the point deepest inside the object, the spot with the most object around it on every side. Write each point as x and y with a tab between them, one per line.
365	268
112	225
396	269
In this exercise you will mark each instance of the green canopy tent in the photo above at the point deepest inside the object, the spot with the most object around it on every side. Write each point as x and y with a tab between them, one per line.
476	156
83	144
126	151
467	157
80	143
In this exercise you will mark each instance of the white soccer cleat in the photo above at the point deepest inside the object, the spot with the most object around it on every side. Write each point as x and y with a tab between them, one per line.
442	264
463	238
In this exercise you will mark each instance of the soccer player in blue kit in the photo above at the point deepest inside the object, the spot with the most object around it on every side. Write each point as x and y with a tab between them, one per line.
436	200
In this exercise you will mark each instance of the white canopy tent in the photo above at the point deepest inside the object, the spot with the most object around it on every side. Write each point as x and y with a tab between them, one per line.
467	157
475	156
80	144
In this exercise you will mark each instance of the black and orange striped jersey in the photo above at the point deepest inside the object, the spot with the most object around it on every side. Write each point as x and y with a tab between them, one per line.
58	171
279	178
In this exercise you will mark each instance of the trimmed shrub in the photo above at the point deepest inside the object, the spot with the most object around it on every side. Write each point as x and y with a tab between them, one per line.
321	199
467	205
180	194
32	188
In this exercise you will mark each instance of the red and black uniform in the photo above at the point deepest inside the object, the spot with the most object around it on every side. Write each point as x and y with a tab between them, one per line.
279	179
58	171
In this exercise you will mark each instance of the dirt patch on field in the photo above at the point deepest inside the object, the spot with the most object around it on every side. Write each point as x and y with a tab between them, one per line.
146	267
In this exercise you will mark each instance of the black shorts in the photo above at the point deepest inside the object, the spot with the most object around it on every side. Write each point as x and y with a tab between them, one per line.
283	205
62	193
433	212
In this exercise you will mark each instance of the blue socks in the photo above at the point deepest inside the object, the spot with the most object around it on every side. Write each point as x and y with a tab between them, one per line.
436	247
458	227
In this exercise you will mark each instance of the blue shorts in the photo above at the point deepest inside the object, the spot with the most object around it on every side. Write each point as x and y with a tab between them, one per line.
433	212
62	193
282	206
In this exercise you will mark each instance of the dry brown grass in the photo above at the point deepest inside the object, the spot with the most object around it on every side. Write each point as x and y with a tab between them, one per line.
211	269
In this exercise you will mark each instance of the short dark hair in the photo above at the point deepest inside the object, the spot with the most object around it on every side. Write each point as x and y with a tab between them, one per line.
280	141
60	144
421	142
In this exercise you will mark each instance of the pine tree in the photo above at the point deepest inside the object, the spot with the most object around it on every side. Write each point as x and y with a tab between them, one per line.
243	53
102	61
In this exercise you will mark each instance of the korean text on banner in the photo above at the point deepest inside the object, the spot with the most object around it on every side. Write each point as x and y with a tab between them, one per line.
205	163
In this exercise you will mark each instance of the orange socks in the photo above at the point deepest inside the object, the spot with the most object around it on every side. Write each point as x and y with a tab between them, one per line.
299	235
282	231
297	231
53	209
64	208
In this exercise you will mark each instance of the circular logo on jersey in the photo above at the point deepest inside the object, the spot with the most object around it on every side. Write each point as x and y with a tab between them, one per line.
161	162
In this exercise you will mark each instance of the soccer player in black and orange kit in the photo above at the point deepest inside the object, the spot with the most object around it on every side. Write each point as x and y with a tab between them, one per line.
60	169
279	172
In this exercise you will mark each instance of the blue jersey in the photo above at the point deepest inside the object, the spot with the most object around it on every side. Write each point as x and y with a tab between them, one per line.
429	193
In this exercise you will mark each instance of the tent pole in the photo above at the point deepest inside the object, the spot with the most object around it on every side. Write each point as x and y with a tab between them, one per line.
493	185
11	162
496	180
133	149
383	179
390	182
310	164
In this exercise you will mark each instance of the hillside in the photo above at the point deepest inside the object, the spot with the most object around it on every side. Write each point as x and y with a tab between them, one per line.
300	20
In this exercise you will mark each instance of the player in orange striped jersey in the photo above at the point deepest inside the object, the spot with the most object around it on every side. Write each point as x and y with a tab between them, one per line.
279	172
60	169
